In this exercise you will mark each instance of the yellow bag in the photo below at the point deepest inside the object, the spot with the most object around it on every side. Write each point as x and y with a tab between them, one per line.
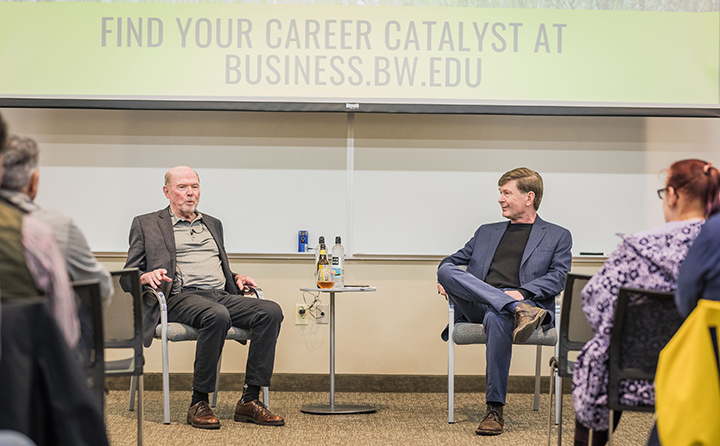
687	383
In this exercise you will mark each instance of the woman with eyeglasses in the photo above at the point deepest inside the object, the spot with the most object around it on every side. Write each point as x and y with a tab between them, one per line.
648	260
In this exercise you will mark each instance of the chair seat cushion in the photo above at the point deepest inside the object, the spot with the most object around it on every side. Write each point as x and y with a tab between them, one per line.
181	332
468	333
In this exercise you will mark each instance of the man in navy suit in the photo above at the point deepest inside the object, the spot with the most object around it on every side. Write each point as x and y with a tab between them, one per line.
181	252
514	271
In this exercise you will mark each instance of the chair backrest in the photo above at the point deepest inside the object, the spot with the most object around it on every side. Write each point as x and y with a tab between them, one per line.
574	328
91	344
644	322
123	326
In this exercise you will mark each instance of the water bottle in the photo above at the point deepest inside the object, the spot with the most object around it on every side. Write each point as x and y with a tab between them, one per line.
338	262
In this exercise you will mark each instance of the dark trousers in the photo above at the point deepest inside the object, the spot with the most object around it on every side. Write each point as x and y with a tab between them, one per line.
213	312
600	438
481	303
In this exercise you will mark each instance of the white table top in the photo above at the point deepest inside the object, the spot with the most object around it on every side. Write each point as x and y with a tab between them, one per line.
343	289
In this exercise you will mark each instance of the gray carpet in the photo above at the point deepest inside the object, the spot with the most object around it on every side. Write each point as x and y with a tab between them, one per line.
401	419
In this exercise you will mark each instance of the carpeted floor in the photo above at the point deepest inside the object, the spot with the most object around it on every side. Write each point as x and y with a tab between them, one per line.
401	419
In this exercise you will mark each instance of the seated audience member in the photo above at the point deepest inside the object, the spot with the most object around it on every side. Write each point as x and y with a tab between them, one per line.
31	265
45	395
182	252
648	260
20	187
699	276
510	297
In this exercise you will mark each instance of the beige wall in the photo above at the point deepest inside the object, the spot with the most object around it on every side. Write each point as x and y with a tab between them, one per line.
396	329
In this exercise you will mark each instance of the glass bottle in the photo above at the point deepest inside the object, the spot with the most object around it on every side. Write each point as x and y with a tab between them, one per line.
321	245
325	274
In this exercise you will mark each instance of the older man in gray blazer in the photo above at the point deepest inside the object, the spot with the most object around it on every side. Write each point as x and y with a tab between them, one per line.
514	271
182	252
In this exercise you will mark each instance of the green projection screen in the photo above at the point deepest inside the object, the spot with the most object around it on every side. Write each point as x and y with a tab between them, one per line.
557	56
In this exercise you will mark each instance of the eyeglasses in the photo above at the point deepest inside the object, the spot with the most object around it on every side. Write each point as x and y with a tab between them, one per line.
662	192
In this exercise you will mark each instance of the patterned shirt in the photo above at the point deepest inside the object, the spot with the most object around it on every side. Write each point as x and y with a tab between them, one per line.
649	260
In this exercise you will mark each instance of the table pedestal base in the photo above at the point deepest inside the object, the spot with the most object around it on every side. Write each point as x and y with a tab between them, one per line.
337	409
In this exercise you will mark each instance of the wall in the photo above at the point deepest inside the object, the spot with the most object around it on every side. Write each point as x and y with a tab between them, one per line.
396	329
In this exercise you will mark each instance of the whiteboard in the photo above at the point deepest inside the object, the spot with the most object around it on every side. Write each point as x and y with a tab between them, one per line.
261	210
401	185
437	213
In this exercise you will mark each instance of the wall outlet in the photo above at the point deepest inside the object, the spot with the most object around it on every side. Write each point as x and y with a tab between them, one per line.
301	315
322	314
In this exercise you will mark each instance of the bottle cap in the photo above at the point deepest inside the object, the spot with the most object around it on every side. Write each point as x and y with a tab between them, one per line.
322	239
337	240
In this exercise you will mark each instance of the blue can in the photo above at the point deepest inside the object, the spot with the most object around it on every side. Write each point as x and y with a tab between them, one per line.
302	240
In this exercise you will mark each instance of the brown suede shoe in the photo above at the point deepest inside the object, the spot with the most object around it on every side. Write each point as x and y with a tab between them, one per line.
201	416
493	422
527	319
256	412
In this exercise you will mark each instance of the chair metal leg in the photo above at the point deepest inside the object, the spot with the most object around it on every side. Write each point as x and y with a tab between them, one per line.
451	363
550	402
165	369
558	379
610	429
266	397
166	381
538	360
559	392
133	386
140	387
558	398
590	437
213	401
555	383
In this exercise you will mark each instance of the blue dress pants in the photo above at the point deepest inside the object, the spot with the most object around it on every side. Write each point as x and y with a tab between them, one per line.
481	303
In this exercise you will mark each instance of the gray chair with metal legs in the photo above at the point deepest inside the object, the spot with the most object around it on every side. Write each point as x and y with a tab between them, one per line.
644	323
91	345
465	333
177	332
123	327
574	333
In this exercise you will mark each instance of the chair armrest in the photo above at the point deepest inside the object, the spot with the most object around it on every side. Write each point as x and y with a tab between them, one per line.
257	291
160	296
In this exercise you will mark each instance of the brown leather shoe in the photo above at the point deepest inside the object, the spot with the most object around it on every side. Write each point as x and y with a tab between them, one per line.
493	422
527	319
201	416
256	412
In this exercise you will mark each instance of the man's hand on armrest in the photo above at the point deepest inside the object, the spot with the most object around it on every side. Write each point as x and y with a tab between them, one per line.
243	282
441	290
155	278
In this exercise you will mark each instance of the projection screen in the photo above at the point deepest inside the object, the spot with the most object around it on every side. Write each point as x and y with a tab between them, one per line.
642	57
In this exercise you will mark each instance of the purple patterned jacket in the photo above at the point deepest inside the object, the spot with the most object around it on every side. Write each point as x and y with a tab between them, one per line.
649	260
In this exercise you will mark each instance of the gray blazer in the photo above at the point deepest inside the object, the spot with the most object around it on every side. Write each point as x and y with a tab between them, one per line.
545	262
152	246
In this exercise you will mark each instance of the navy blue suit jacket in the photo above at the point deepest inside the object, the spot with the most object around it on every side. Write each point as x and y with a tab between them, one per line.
545	262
